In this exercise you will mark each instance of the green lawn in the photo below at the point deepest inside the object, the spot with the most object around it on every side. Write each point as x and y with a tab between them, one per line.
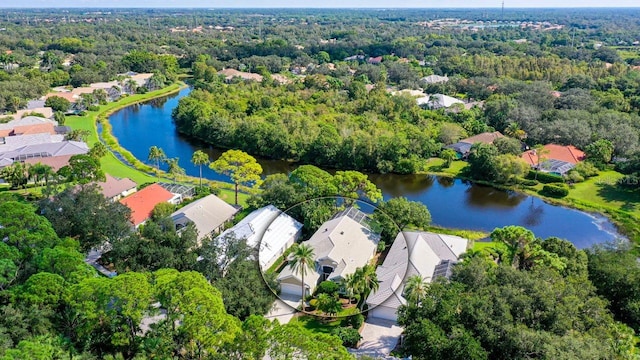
481	245
315	324
436	166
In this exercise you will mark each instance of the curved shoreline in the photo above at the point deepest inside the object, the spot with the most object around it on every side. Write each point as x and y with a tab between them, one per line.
626	223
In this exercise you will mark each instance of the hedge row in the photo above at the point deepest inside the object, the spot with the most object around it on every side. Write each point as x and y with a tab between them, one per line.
544	177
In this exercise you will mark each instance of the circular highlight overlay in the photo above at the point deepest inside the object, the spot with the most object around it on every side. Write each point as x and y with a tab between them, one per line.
326	257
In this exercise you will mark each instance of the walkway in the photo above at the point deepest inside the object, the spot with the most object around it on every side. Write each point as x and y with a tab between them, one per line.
92	259
284	308
379	338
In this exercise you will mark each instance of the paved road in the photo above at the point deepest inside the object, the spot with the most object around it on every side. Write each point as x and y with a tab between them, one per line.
284	309
379	337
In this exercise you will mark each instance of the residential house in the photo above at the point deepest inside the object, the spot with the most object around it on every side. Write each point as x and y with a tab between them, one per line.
340	245
229	74
47	112
424	254
435	79
209	215
9	143
55	162
375	60
42	151
114	188
142	202
555	159
463	146
354	58
268	229
439	101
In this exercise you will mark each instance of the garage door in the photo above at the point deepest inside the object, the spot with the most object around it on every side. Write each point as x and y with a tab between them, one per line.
290	289
384	312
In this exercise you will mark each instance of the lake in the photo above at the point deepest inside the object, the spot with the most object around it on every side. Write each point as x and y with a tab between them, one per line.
453	203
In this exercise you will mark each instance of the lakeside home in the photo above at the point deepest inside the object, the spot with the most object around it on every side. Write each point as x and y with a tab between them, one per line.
555	159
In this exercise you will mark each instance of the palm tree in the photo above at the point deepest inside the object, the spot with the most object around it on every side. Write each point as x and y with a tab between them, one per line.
174	168
514	131
540	151
300	262
156	154
100	95
448	155
131	86
350	284
416	289
200	158
368	281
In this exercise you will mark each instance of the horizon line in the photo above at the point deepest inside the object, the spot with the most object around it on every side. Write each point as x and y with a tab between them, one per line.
312	8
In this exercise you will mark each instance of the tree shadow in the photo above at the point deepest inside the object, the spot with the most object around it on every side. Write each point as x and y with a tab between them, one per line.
629	198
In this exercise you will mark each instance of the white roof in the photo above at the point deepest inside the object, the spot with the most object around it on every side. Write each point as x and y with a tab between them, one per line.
18	141
207	214
45	150
434	79
267	227
441	100
346	242
413	253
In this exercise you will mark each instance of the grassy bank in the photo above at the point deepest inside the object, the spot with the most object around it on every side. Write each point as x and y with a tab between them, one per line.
596	195
139	171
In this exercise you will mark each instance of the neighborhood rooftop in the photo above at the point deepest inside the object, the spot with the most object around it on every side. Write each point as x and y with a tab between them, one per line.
142	202
207	214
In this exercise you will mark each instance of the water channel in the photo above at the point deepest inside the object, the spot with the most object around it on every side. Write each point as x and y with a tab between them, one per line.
452	202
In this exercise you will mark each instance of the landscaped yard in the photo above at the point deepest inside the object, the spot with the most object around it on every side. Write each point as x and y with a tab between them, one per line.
316	324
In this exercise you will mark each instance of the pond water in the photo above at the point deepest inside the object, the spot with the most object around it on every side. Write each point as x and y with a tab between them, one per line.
453	203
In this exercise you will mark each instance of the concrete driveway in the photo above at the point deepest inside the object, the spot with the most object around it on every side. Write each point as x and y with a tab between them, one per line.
284	308
379	337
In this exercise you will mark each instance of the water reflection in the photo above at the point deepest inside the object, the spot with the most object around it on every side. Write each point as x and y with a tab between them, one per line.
452	202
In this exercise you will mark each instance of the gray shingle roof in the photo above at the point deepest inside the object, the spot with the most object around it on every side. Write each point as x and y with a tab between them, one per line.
207	214
45	150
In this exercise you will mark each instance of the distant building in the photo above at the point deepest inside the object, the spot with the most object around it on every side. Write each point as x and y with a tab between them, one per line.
463	146
557	159
229	74
435	79
439	101
42	151
116	188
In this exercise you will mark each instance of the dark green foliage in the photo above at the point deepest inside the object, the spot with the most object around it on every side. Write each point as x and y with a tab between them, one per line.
543	177
482	162
615	273
528	182
349	336
553	190
85	214
58	103
355	321
399	214
327	287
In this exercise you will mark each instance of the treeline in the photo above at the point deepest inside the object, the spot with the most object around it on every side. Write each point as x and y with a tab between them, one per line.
311	122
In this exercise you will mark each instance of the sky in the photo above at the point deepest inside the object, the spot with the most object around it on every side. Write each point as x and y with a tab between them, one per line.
315	4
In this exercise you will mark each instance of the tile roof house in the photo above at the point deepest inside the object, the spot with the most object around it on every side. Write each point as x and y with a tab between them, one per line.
558	159
229	74
46	111
209	215
439	101
46	150
116	188
375	60
142	202
435	79
340	245
463	146
268	229
425	254
9	143
56	162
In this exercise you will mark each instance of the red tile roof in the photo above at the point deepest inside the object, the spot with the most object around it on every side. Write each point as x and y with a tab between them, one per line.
142	202
568	153
47	128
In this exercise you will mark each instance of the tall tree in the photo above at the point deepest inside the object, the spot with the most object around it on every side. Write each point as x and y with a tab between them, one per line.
240	166
415	289
301	262
200	158
156	154
174	168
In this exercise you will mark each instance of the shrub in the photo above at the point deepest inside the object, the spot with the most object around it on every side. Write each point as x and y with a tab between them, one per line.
555	190
349	336
574	176
544	177
631	181
93	108
355	321
327	287
586	169
381	246
528	182
313	304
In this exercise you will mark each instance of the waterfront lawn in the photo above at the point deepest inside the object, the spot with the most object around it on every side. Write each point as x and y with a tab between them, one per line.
436	166
488	245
